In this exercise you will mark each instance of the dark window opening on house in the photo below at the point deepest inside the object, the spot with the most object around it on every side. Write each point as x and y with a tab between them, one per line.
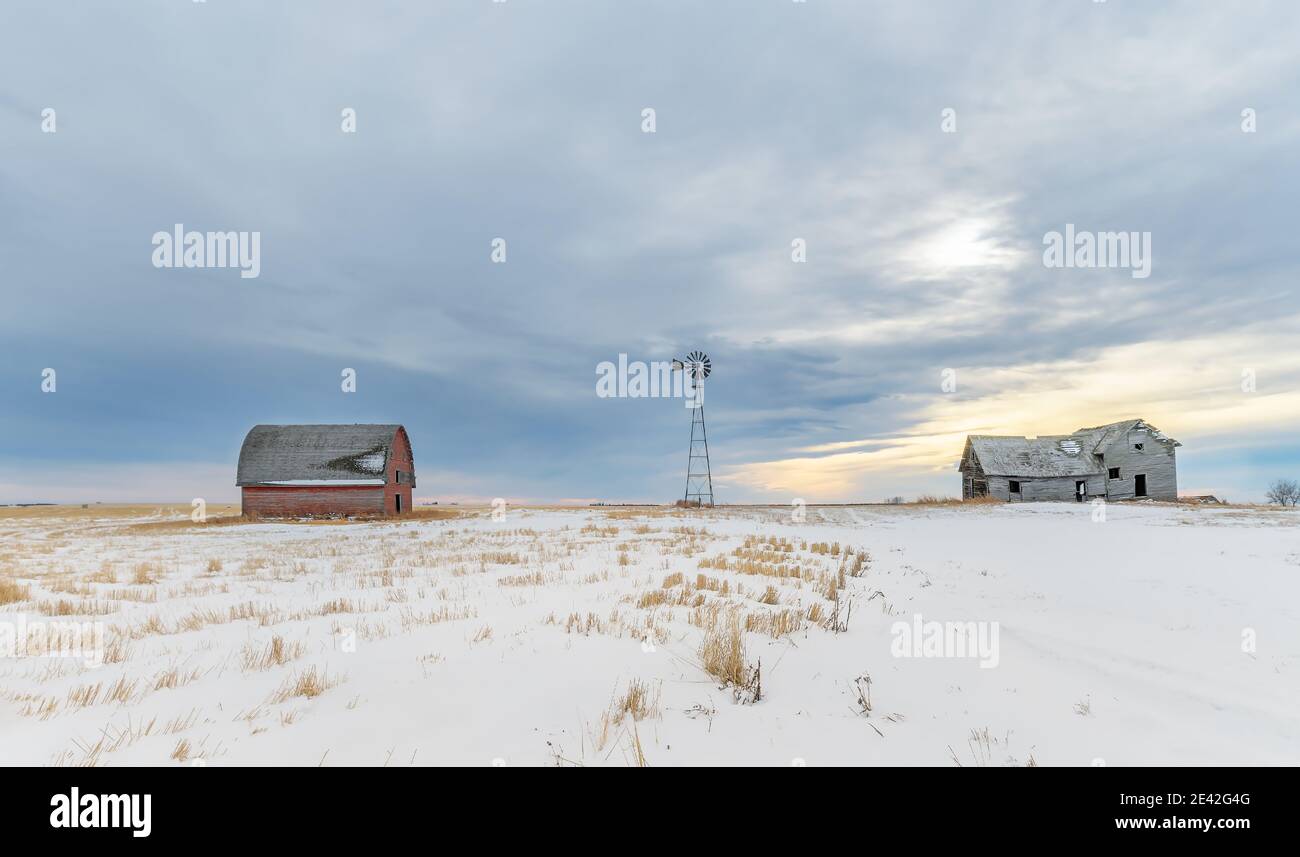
1114	473
1015	487
1140	485
1138	447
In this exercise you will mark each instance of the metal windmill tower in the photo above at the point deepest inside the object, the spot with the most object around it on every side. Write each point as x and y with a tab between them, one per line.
699	478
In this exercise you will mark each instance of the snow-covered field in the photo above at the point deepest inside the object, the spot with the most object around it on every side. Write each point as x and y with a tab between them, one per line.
1162	635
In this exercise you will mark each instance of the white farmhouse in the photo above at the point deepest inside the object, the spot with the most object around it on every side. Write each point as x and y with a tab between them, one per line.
1120	461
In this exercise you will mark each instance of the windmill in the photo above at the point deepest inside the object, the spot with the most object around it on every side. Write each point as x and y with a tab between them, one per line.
699	479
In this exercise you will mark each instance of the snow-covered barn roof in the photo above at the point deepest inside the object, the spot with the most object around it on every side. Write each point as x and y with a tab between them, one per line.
1075	454
1061	455
316	454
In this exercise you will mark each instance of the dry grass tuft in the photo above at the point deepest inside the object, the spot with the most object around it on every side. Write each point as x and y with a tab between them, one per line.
121	691
576	623
775	624
150	626
932	500
535	578
276	653
182	751
309	684
145	573
639	702
84	695
64	607
117	650
12	593
174	678
722	655
412	619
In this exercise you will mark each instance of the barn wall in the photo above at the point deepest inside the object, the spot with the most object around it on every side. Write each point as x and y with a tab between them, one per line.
398	459
284	502
970	473
1156	460
999	487
1060	488
1036	490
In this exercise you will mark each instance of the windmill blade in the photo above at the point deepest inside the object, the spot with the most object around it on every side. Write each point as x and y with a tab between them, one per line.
700	364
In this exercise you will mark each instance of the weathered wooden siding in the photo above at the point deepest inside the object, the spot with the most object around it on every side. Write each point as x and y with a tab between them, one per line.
269	501
1060	488
1039	464
1156	460
971	474
399	459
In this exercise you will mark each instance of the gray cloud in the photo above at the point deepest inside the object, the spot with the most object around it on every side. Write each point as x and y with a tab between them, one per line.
519	120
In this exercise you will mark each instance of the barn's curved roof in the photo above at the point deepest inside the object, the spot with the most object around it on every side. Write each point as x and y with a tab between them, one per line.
312	454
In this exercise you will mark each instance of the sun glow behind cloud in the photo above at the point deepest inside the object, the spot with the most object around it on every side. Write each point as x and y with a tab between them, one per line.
963	243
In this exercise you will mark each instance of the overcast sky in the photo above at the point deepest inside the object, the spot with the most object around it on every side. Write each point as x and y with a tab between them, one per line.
523	120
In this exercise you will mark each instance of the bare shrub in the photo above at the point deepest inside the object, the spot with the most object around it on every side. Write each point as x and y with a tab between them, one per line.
1284	492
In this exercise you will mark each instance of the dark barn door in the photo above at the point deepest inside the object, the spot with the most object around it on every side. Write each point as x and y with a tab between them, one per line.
1080	491
1140	485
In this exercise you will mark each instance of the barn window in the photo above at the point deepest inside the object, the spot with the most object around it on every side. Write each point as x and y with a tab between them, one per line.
1138	447
1015	487
1113	474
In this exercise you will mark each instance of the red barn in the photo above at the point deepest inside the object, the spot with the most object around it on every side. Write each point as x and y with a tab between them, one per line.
301	471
